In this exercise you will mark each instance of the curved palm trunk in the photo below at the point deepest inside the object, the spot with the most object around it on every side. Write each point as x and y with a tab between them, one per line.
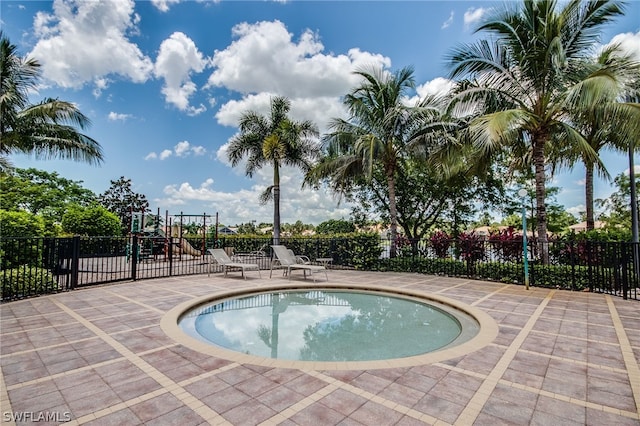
393	214
276	203
589	195
541	210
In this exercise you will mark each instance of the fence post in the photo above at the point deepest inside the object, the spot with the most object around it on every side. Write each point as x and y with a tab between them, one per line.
134	257
624	260
589	264
75	261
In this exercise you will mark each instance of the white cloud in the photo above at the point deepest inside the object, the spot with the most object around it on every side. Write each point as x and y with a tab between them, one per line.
448	22
163	5
242	206
84	41
177	59
473	15
265	58
115	116
181	149
317	109
629	43
437	86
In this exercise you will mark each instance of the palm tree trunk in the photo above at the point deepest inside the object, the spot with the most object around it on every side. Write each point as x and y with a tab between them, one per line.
393	214
541	210
276	203
589	195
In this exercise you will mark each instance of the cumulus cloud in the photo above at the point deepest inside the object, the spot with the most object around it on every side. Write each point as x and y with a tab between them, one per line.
115	116
181	149
437	86
242	206
163	5
264	59
448	22
177	60
629	43
85	41
474	15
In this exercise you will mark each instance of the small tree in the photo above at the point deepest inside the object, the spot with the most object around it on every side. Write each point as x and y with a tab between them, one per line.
91	221
121	200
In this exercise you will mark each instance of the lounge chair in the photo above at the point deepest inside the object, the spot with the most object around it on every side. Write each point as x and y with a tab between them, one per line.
302	259
222	259
285	259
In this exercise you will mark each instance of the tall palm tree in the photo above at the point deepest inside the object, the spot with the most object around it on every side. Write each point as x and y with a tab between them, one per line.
47	128
615	121
376	138
275	140
521	83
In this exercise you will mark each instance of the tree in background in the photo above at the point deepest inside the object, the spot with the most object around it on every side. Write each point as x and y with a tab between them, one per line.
379	134
121	200
47	129
613	123
526	78
42	193
275	140
92	221
617	207
336	226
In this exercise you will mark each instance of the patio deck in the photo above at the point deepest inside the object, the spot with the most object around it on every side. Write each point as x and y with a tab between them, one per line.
99	356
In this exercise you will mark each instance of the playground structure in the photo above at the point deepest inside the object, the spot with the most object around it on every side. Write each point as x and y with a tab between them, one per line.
166	240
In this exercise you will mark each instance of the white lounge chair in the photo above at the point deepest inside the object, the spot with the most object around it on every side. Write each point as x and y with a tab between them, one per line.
222	259
285	259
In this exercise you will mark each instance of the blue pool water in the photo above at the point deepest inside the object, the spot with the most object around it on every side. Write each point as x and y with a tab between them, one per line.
325	325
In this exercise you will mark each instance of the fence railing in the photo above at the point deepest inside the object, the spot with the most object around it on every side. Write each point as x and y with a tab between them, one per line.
33	266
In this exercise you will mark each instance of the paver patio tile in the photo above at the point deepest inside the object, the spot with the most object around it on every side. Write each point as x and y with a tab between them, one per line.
440	408
119	418
599	418
371	413
305	384
250	413
155	407
343	401
280	398
370	382
81	405
206	387
317	414
180	416
226	399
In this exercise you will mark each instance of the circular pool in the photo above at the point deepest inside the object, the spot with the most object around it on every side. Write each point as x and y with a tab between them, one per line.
310	327
328	325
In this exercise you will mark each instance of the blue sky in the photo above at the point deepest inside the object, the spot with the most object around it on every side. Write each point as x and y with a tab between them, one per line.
164	83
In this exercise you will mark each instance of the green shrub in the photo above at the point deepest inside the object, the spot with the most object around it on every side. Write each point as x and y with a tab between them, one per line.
26	281
500	271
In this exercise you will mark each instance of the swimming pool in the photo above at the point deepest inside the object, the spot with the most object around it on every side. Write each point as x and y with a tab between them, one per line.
329	325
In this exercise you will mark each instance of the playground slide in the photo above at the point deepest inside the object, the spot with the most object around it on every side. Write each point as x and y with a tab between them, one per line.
188	248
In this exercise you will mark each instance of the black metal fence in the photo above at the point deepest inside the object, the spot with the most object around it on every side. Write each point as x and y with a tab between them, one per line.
33	266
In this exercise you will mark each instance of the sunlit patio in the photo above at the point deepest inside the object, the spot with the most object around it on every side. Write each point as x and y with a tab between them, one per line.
100	356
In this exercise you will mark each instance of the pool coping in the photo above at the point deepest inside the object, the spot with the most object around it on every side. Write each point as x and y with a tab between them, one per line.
488	330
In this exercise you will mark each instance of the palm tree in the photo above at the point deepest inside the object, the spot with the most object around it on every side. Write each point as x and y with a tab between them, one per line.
522	81
274	140
379	134
46	129
614	122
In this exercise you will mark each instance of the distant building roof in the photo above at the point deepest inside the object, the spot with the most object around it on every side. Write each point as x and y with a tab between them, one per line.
582	226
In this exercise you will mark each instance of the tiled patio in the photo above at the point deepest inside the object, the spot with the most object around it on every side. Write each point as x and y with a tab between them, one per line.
99	356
